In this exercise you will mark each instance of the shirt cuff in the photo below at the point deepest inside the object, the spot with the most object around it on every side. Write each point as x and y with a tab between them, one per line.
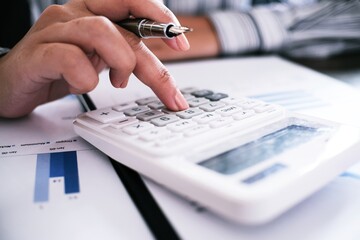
245	32
3	51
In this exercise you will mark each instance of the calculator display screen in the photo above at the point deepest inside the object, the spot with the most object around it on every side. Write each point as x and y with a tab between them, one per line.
254	152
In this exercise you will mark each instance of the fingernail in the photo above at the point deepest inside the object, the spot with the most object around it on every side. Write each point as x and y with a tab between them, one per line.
182	42
180	101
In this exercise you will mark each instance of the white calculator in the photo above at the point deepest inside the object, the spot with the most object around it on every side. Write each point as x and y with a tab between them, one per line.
246	160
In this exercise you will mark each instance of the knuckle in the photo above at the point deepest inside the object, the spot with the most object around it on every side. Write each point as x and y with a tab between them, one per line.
164	77
95	26
57	13
54	10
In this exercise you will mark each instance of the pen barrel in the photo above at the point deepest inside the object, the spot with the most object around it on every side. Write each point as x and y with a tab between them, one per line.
145	28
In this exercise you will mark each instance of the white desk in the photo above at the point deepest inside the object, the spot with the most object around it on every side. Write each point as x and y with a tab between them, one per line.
103	209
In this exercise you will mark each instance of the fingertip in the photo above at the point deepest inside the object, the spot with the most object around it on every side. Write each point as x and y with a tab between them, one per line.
182	42
180	101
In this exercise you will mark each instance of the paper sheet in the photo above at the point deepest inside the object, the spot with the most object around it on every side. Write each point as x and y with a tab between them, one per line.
54	185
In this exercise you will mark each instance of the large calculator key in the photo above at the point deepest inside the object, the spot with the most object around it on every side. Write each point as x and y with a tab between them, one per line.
221	122
164	120
189	113
211	106
105	115
123	122
121	107
229	110
146	100
181	125
195	102
136	110
153	134
137	128
147	116
206	117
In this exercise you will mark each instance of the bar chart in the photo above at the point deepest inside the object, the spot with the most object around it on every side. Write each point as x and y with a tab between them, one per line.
55	165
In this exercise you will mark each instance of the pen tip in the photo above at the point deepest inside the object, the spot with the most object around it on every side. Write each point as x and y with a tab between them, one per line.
177	30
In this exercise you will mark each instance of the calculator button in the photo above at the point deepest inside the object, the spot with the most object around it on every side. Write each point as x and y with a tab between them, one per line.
263	108
206	117
188	90
105	115
168	111
211	106
123	122
137	128
196	130
147	100
189	113
216	96
147	116
169	139
156	105
232	100
202	93
136	110
181	125
221	122
228	110
123	106
90	122
243	114
164	120
195	102
188	96
247	104
153	134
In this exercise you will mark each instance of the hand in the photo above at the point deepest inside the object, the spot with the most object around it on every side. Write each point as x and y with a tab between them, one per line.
203	41
69	45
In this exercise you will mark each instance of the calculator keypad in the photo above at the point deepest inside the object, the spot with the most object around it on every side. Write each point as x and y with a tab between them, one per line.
148	125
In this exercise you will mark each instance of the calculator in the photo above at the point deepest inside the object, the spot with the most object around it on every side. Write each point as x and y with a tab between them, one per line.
245	160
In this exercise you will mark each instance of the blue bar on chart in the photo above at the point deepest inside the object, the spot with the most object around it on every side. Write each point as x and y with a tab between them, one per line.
52	165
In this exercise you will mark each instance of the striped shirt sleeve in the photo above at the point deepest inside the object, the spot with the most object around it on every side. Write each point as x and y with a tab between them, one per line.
316	30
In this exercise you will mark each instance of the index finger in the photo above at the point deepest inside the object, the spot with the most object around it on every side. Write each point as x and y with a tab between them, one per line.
155	75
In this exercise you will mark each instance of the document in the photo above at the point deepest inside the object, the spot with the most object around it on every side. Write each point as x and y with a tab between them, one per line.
54	185
328	214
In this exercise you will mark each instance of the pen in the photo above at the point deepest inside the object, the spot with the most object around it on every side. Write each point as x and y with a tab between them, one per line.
146	28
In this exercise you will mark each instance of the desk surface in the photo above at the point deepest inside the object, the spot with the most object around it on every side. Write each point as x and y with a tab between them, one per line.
103	210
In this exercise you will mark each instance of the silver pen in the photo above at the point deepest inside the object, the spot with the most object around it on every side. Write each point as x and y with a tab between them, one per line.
146	28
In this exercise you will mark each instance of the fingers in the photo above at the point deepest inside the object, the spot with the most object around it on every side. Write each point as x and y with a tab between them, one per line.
152	9
96	35
154	74
122	51
64	62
